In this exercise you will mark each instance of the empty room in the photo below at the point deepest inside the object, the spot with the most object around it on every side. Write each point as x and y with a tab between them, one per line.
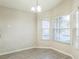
39	29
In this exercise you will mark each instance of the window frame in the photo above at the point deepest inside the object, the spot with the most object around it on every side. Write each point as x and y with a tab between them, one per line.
50	30
47	19
54	29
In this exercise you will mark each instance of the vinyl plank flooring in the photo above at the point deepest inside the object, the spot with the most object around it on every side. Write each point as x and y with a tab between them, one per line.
36	54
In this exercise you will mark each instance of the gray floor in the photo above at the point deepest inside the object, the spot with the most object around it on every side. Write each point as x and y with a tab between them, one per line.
36	54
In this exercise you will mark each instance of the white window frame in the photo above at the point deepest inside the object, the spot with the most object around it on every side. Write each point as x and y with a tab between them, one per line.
59	40
50	34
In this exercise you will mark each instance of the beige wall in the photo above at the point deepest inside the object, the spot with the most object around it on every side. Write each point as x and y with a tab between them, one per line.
17	30
64	8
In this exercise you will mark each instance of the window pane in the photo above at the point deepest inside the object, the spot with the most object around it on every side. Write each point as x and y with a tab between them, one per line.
45	37
45	24
64	21
56	34
45	29
65	35
62	35
56	23
45	32
61	29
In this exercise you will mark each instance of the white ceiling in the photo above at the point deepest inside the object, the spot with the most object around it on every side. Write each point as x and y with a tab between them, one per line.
26	5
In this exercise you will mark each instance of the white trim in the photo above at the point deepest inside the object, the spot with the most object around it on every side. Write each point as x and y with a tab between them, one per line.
15	51
57	51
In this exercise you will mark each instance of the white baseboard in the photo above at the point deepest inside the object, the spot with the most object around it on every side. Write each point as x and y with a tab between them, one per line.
57	51
15	51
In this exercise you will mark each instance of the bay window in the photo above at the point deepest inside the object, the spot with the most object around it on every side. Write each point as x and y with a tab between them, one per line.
60	27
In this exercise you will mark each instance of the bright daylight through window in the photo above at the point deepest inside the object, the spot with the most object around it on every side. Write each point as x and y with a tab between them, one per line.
60	29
